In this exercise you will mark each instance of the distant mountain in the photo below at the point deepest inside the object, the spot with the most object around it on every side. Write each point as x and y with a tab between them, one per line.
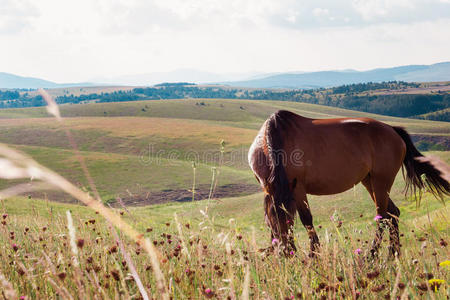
411	73
11	81
179	75
292	80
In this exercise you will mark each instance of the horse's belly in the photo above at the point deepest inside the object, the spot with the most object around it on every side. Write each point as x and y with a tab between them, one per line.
327	190
335	182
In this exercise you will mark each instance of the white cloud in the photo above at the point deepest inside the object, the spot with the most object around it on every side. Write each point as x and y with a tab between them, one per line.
74	40
319	12
15	15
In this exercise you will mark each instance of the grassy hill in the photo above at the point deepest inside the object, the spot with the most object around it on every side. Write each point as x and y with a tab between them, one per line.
393	98
142	152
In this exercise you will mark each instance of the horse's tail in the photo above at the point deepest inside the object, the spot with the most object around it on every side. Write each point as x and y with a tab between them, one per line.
277	183
421	171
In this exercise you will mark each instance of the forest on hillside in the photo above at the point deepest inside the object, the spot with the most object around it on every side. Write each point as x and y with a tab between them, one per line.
354	97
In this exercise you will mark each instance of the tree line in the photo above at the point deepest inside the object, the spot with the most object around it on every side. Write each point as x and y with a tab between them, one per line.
354	96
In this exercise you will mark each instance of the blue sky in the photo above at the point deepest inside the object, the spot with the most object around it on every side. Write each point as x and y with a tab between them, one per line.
76	40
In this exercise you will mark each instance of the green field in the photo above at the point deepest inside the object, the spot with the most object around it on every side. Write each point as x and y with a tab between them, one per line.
114	140
136	148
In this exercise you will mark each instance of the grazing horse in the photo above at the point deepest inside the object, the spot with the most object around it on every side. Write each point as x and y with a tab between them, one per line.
293	156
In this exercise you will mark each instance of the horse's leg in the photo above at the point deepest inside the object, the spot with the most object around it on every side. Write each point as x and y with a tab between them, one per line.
367	182
379	187
304	212
394	213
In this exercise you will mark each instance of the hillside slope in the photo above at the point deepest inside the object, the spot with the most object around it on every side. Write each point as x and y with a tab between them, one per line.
142	151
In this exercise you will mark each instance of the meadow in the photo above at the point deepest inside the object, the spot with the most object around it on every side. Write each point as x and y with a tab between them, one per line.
206	248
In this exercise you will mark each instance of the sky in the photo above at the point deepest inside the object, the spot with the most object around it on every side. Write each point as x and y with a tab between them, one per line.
80	40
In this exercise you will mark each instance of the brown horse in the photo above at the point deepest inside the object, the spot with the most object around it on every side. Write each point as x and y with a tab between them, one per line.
293	156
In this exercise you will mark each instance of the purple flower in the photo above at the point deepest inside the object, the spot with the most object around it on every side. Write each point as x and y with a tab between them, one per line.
208	291
358	251
292	253
22	298
332	218
275	241
378	217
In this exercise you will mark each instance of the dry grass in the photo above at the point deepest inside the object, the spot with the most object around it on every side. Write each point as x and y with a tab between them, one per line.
38	262
132	127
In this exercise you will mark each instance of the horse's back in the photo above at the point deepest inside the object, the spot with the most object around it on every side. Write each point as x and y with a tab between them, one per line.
328	155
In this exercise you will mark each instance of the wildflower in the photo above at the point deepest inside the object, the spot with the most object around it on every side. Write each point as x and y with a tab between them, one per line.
15	247
149	229
372	275
208	293
22	297
358	251
378	217
275	241
401	285
80	243
292	252
62	275
443	243
435	283
5	216
445	264
115	274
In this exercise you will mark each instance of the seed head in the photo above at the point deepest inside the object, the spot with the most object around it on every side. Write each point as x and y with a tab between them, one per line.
80	243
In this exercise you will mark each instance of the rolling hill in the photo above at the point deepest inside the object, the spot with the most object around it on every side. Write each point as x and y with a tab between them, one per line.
142	151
